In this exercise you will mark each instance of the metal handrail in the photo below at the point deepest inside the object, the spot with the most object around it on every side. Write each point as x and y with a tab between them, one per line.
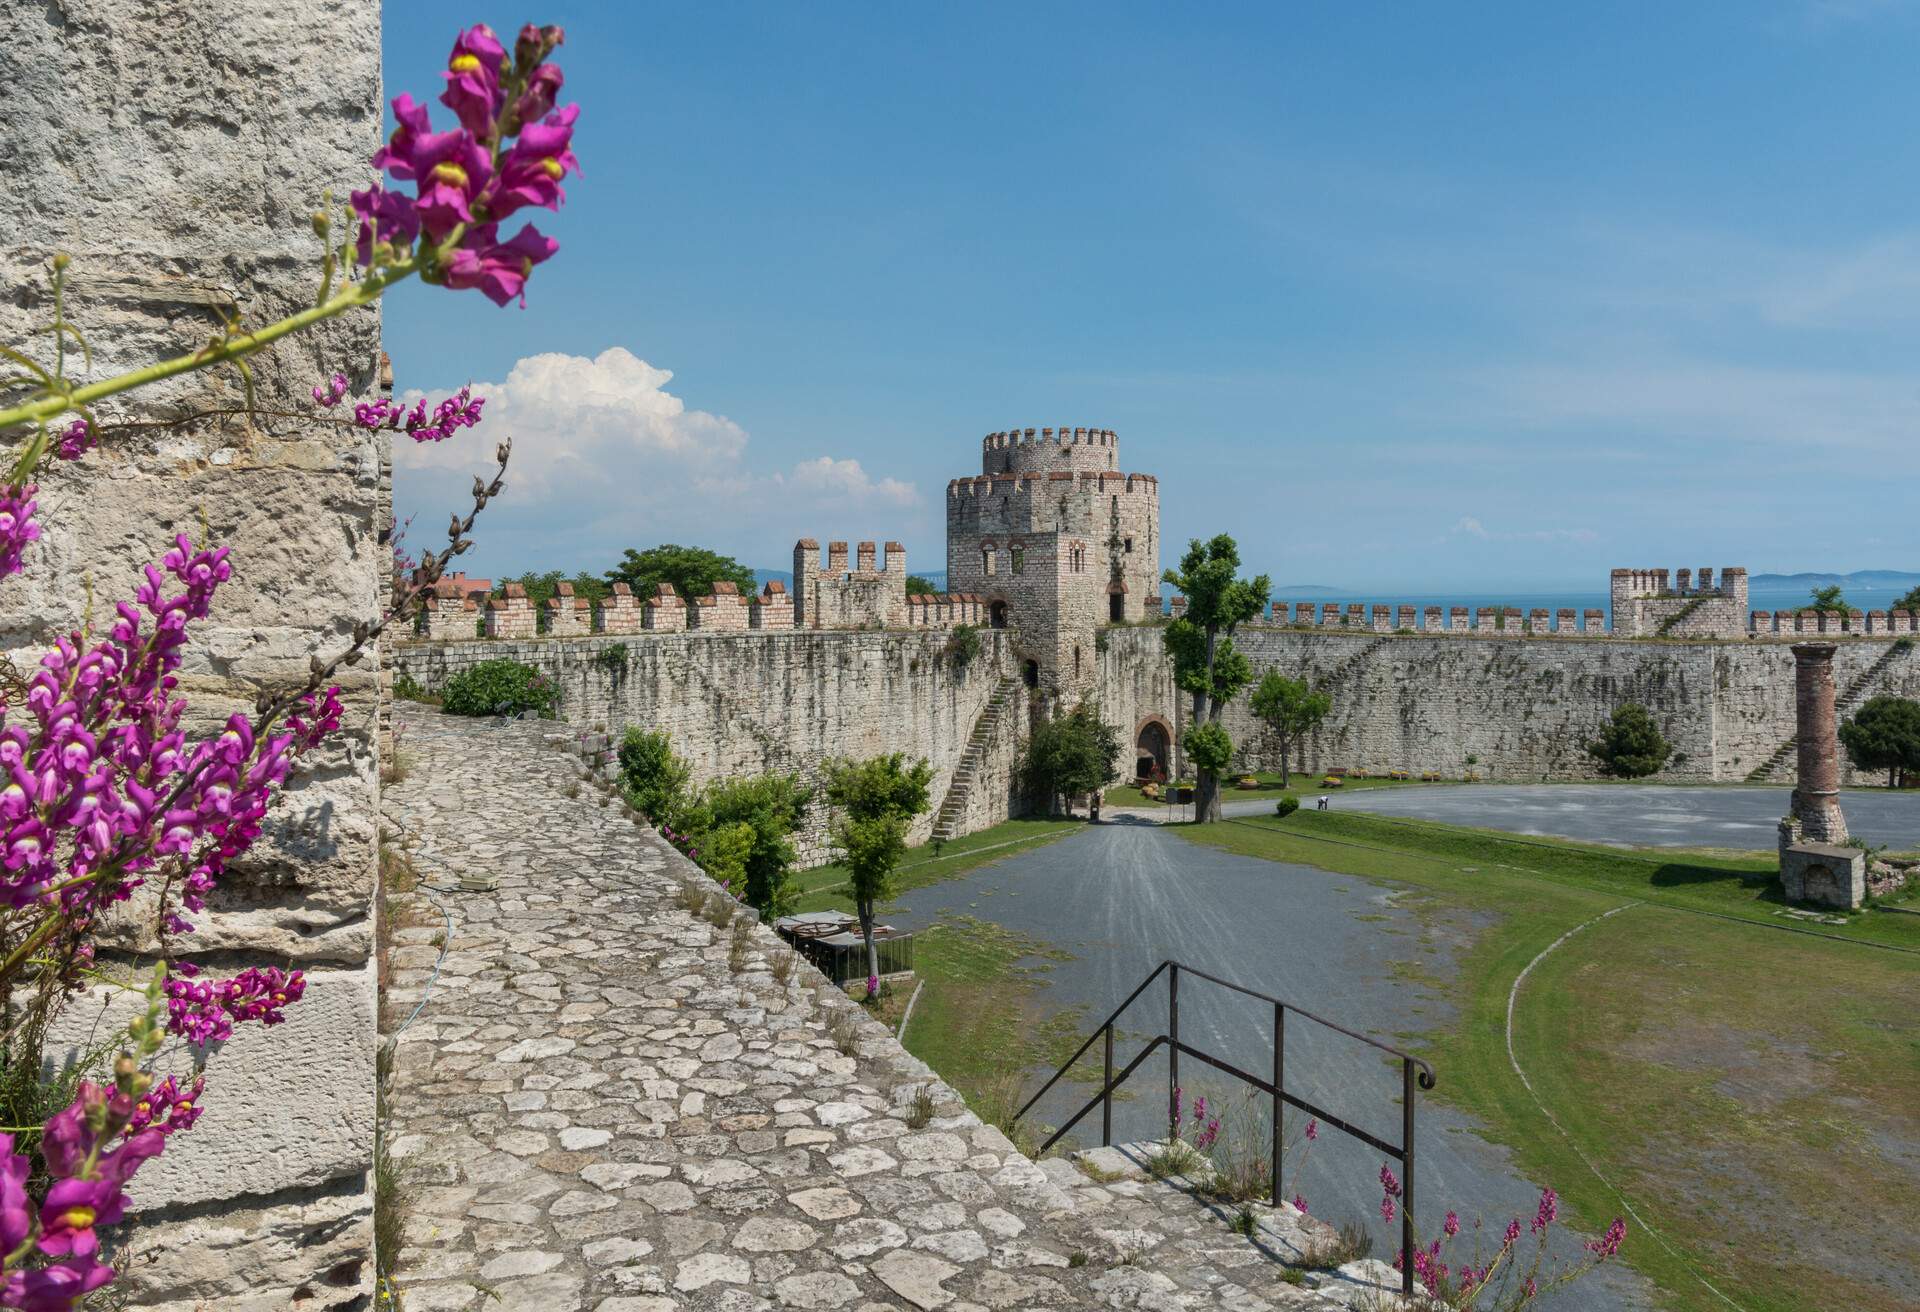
1414	1074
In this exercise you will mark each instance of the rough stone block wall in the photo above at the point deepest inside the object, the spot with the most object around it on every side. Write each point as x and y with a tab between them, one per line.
751	703
1526	709
175	150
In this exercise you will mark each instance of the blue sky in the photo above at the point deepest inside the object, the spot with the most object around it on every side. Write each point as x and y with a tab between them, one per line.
1404	297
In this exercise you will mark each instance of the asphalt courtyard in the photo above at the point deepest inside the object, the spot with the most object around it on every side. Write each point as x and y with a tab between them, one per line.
1635	815
1122	897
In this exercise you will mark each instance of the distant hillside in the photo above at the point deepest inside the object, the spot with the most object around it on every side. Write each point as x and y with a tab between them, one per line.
1305	590
1861	578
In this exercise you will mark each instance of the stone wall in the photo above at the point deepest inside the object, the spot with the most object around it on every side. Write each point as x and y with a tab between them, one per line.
175	150
1525	708
751	703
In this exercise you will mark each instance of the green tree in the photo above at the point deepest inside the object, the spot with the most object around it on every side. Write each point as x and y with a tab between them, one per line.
692	570
1909	602
1830	600
1206	664
1292	709
771	807
1071	754
540	587
877	798
919	587
1884	734
1631	746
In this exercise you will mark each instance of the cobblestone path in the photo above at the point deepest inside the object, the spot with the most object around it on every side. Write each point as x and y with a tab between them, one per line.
609	1103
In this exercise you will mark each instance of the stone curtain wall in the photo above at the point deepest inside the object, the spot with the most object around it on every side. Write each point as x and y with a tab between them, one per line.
175	149
1526	709
759	702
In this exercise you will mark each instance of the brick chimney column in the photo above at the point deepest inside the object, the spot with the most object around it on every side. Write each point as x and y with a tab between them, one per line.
1816	798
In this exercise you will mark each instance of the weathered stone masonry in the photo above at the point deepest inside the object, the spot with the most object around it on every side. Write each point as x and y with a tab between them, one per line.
752	702
1526	709
175	150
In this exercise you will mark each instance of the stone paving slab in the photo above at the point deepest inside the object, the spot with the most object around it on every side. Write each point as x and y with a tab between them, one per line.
610	1104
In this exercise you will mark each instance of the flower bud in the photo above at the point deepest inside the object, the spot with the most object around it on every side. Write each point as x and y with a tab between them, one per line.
61	260
322	224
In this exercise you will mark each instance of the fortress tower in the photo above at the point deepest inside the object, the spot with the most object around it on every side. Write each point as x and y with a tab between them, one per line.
1057	541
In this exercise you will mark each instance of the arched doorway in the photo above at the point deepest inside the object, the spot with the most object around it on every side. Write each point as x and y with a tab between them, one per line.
1032	673
997	615
1152	748
1116	606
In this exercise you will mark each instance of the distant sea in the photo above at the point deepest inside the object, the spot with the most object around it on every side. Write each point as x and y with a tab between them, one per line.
1769	597
1766	593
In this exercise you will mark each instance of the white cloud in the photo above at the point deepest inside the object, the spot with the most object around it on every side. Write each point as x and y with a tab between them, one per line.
846	479
605	457
1471	527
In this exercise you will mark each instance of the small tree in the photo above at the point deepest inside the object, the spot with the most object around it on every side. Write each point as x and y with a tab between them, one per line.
1292	709
1884	734
692	570
1205	662
1631	746
771	807
919	587
1071	754
1830	600
877	799
1909	602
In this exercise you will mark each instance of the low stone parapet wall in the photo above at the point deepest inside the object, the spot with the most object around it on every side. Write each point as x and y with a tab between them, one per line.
751	702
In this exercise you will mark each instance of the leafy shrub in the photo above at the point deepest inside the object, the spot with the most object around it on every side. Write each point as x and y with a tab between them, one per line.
499	687
963	645
655	780
723	855
1630	746
409	689
1286	806
612	659
770	807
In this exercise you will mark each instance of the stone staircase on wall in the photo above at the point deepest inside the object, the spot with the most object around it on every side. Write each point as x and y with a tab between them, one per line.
1850	696
953	809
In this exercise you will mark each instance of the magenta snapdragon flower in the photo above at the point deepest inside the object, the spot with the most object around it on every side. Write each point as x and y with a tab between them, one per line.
1548	1212
468	179
76	439
17	527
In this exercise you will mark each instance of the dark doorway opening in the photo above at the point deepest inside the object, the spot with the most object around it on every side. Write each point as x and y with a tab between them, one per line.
1032	674
1151	749
1116	606
997	615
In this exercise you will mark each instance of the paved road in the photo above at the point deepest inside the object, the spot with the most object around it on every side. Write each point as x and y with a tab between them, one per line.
1123	897
1644	815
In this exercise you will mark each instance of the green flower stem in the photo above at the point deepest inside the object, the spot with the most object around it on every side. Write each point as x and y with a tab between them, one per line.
237	347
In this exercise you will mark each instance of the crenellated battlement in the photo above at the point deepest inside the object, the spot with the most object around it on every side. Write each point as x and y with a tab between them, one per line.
872	594
1654	603
1044	450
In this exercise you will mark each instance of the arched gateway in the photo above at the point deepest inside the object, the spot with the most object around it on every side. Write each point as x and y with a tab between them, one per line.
1153	748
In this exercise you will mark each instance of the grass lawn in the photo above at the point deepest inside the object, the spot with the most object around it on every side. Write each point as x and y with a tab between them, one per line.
1748	1091
823	888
